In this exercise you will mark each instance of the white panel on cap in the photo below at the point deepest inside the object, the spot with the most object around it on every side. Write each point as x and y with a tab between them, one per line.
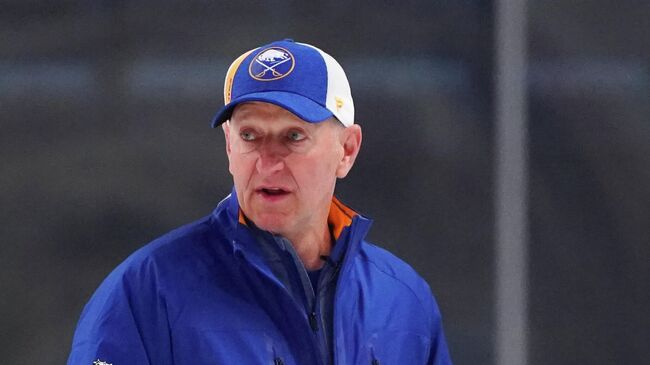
339	96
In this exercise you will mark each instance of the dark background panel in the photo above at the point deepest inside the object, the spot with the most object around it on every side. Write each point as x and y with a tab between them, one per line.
590	172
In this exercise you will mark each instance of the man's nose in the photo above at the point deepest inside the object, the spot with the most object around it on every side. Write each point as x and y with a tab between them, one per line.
271	157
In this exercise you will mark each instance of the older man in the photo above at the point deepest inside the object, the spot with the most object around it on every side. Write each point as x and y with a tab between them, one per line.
280	272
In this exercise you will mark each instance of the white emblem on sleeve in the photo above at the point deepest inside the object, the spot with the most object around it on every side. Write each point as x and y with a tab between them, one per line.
100	362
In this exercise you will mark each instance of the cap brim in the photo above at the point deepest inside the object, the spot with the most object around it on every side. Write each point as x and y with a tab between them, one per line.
304	108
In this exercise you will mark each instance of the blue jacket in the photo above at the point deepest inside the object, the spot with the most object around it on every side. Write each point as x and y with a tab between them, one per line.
202	294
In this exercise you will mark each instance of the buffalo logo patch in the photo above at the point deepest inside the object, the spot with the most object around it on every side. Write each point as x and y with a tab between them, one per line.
271	63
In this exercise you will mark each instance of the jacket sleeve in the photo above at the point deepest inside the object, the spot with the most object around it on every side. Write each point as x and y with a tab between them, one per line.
125	322
439	354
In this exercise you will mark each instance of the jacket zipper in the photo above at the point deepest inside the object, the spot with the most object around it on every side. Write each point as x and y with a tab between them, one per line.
315	320
374	361
312	316
311	323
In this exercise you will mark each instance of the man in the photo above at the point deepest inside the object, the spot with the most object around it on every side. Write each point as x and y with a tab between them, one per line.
279	273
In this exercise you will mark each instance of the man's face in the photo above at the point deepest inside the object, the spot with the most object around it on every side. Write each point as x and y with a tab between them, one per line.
285	169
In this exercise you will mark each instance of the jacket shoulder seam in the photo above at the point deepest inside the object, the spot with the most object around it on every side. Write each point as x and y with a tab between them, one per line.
410	288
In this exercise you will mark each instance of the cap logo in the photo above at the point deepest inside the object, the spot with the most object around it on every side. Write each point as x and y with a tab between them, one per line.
271	63
339	103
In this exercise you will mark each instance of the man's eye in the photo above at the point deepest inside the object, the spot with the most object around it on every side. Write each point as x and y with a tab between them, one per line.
296	136
247	136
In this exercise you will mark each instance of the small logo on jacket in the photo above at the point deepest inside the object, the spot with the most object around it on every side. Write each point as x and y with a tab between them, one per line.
100	362
271	64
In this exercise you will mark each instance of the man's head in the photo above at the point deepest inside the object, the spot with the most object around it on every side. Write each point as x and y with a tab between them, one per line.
296	76
285	140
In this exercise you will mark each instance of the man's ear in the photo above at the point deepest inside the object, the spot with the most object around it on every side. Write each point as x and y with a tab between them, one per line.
226	132
351	141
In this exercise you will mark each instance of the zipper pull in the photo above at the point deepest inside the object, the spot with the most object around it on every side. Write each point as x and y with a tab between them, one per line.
313	322
278	361
374	358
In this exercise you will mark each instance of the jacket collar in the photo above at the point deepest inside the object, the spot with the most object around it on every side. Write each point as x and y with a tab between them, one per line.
345	223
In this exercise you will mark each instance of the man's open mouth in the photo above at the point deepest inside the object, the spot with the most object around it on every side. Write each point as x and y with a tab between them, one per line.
273	191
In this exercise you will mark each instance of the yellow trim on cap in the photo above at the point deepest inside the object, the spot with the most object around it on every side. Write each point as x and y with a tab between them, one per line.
230	76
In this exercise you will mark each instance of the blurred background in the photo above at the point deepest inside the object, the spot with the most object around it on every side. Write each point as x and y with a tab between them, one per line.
105	144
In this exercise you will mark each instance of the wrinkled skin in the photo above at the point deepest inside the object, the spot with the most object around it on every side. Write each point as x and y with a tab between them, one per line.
285	170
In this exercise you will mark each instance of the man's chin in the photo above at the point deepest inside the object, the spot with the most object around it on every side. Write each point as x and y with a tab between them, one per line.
272	223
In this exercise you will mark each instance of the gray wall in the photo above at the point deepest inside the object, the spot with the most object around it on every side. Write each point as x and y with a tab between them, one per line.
105	144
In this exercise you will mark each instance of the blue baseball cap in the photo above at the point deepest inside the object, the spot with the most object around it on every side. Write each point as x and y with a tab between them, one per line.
295	76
